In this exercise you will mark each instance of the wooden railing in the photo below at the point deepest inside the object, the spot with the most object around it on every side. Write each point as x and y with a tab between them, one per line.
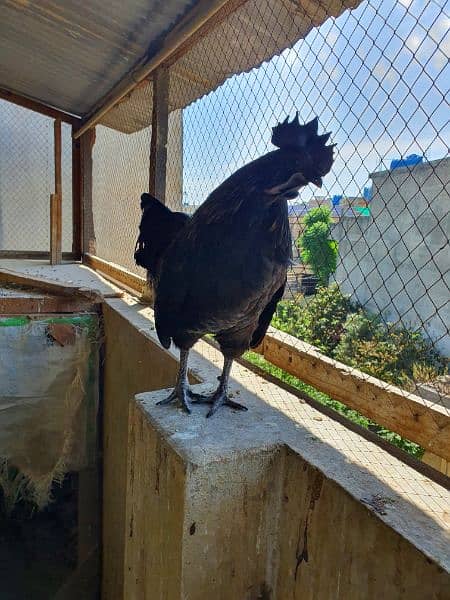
411	416
115	273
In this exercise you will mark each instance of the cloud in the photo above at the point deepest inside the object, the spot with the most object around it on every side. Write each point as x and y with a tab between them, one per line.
439	60
426	47
380	70
433	43
413	42
440	29
384	73
336	74
332	37
324	55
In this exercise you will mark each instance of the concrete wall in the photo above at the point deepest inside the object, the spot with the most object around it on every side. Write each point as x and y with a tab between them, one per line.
296	227
396	262
132	365
225	517
281	502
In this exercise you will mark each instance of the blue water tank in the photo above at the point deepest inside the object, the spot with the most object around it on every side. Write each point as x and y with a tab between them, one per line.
335	200
409	161
367	194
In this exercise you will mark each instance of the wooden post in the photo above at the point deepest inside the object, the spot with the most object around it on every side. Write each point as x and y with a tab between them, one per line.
158	150
160	126
87	142
56	202
77	199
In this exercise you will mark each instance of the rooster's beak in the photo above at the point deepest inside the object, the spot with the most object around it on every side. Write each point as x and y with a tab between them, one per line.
317	182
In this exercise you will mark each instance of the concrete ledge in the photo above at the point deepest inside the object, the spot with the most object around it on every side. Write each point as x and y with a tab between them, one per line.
404	516
231	508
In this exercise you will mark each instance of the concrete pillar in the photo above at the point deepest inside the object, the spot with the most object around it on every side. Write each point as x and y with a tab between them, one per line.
218	509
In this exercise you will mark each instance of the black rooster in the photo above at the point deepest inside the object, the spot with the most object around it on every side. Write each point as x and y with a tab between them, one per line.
223	271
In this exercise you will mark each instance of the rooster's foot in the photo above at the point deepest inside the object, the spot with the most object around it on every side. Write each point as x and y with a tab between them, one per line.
218	399
182	394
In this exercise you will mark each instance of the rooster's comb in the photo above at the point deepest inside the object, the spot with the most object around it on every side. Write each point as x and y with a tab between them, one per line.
295	136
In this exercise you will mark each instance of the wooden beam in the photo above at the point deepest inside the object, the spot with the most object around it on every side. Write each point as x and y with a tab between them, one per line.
44	304
115	273
160	128
52	287
77	200
58	156
38	107
412	417
33	255
56	201
201	13
55	256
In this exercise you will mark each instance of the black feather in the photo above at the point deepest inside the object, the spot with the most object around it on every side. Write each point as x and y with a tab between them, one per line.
225	269
157	230
266	317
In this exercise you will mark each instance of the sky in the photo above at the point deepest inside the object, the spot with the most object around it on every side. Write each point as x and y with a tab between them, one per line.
377	77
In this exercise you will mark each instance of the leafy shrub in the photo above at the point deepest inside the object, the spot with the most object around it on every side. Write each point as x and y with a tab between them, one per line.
317	248
351	414
319	322
425	373
394	354
355	337
360	339
290	317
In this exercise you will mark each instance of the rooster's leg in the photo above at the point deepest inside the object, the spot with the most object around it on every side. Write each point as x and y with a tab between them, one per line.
181	390
220	396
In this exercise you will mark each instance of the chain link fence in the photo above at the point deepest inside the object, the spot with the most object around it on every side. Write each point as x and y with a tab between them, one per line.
27	180
373	290
120	174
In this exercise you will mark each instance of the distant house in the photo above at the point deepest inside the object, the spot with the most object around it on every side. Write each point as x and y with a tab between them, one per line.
395	261
348	206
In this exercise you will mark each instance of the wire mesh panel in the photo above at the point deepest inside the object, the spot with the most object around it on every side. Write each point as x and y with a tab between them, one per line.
121	163
119	179
27	180
370	280
377	78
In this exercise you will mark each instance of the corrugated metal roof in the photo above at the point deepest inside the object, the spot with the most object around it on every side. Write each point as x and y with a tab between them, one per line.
255	32
69	54
70	57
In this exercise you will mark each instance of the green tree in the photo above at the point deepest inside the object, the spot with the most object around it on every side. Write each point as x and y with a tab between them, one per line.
317	248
